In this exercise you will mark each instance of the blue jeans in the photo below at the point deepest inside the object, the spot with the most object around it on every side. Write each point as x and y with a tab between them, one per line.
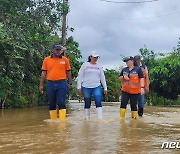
141	101
57	94
88	93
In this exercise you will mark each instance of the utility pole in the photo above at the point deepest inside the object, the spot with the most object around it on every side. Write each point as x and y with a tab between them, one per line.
65	11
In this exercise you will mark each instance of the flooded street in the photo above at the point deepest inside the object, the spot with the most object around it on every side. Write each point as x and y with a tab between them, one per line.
30	131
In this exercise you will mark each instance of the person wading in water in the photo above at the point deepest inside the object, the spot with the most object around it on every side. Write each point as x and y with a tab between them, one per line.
56	69
132	86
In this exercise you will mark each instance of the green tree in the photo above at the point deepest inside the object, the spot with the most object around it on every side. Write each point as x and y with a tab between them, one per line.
164	77
28	29
113	85
148	57
74	54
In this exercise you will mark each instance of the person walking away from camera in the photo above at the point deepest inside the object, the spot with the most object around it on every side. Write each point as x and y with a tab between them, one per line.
90	77
132	85
56	69
144	69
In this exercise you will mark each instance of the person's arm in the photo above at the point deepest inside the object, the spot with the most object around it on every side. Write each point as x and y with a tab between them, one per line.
123	77
140	74
103	80
41	85
142	82
142	86
69	77
43	75
147	81
68	74
80	77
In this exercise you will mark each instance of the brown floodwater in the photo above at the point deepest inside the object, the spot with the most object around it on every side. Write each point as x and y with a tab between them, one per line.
30	131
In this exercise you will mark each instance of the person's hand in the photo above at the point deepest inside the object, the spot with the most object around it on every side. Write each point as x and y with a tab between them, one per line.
79	91
41	89
142	91
126	77
105	92
147	89
69	87
63	49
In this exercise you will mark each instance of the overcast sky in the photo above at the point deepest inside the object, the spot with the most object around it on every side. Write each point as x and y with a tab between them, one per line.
115	29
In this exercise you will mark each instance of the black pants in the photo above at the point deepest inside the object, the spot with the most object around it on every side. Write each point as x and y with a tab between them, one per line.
125	97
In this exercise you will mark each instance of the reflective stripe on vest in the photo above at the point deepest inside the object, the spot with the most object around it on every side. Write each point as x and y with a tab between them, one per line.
131	84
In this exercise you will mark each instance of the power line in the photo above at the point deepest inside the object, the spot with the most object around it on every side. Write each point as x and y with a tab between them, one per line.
129	1
127	18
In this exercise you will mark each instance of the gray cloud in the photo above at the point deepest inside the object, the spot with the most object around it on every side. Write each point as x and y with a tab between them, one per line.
121	29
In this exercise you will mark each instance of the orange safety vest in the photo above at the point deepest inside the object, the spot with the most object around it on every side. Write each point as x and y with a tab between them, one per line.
131	86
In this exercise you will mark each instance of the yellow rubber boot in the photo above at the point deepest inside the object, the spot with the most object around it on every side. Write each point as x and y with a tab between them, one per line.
134	114
62	114
53	114
122	113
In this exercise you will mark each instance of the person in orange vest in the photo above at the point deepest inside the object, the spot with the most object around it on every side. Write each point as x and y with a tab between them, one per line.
56	69
144	69
132	85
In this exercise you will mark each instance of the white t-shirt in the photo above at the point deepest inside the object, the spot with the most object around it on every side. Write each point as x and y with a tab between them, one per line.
91	76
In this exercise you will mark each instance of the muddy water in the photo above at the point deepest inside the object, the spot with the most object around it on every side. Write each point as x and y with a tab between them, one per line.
30	131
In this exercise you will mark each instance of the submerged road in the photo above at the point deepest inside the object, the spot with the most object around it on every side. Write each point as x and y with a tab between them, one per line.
30	131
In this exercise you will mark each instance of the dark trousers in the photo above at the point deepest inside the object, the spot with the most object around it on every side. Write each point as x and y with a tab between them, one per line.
125	97
57	94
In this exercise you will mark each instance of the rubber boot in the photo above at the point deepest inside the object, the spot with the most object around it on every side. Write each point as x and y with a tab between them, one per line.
99	112
87	114
53	114
134	114
140	112
62	114
122	113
